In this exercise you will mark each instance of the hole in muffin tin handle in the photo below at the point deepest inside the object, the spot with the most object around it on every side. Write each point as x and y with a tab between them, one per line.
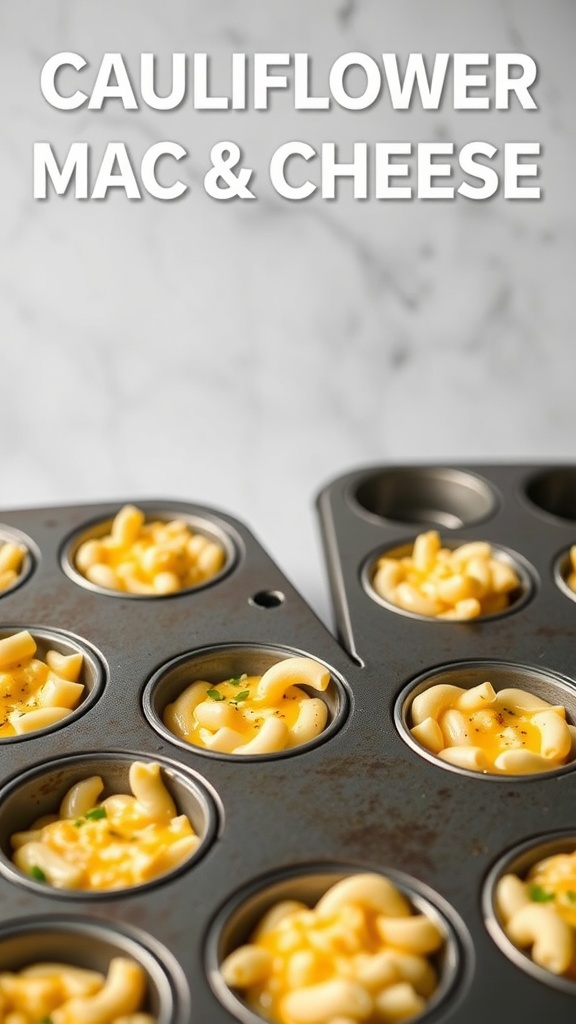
267	599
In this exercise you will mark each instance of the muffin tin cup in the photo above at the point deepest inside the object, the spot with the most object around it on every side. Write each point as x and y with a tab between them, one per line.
445	497
41	790
518	861
549	686
517	598
551	491
226	661
90	944
93	675
209	526
307	882
31	557
561	570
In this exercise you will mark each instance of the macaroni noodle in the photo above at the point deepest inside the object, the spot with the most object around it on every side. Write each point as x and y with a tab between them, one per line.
510	732
464	583
56	993
35	694
362	954
253	714
119	842
540	912
11	562
153	558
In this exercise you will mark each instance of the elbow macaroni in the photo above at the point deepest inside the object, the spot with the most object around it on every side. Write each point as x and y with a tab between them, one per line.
361	954
540	912
11	563
35	694
460	584
509	732
151	558
571	576
253	714
57	993
113	844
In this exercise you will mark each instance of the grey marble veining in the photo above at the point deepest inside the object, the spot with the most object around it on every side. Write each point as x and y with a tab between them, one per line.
241	354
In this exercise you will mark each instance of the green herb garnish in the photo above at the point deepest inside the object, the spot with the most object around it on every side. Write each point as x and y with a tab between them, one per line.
38	874
539	895
96	813
571	895
240	696
215	695
46	1020
79	822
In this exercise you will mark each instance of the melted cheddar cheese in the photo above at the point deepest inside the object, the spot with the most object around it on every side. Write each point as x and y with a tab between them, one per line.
35	693
553	880
364	957
117	843
253	714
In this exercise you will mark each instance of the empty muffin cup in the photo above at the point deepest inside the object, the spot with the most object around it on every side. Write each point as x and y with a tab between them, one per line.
490	719
17	559
120	821
449	498
442	580
554	491
529	904
318	915
88	945
245	701
54	678
150	551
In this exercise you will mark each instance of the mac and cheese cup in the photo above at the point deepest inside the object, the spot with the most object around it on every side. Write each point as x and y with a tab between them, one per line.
147	818
48	679
245	702
276	950
529	906
109	973
149	552
436	578
490	719
16	559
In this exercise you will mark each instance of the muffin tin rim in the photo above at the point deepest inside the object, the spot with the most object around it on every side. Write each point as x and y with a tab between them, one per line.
529	579
85	647
137	942
215	528
460	946
400	707
201	789
342	716
499	867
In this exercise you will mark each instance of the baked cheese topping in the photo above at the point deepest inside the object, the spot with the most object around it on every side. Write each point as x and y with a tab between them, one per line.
34	693
511	731
115	843
253	714
362	954
149	557
57	993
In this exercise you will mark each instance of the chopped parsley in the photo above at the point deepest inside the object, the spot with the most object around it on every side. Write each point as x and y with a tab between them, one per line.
96	813
240	696
38	874
215	695
238	680
539	895
571	896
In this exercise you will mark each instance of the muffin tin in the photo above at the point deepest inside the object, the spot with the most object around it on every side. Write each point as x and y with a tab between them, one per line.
453	828
358	798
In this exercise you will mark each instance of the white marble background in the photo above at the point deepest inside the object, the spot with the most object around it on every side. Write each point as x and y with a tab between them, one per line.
240	355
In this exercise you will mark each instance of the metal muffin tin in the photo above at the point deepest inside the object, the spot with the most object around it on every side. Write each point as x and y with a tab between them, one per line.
450	828
358	798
